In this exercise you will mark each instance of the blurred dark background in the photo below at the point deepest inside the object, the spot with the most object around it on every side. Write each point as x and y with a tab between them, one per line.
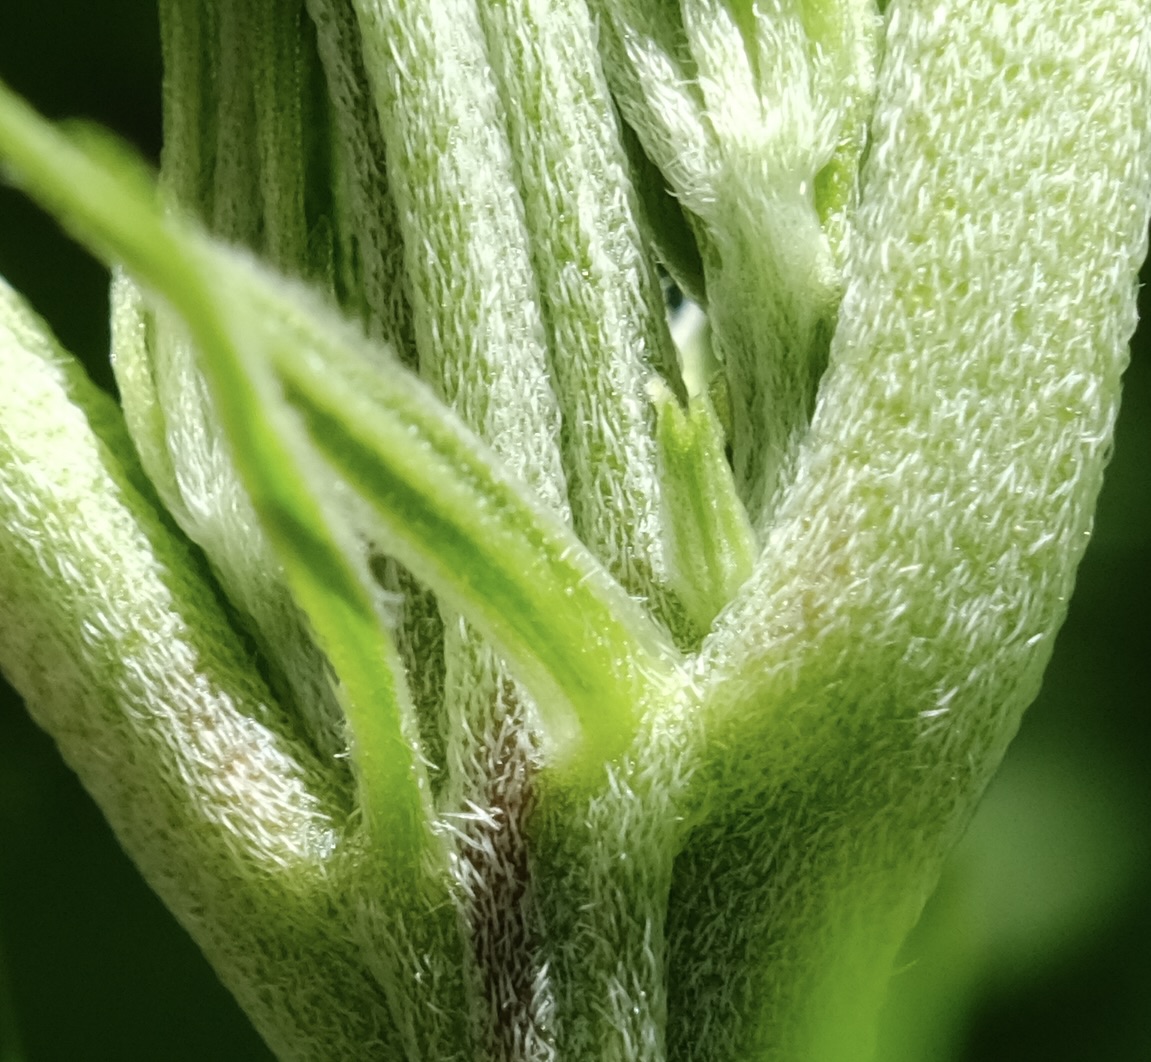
1038	944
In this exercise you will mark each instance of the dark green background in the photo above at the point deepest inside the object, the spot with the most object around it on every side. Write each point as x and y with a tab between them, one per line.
1036	947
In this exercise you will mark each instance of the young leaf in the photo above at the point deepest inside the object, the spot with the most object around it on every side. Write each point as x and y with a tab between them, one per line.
329	581
453	516
711	546
756	115
471	532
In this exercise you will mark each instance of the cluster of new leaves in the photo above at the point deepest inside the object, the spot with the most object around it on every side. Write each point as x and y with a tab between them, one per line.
474	672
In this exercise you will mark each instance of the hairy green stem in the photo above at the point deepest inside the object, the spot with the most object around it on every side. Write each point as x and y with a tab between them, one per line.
917	570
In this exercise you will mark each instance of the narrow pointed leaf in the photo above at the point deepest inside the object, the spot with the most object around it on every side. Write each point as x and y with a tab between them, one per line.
468	529
587	651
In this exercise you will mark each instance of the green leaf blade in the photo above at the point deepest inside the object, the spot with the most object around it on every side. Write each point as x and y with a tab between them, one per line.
579	642
588	645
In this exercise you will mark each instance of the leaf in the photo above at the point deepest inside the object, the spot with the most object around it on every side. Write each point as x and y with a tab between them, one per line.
711	546
474	534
